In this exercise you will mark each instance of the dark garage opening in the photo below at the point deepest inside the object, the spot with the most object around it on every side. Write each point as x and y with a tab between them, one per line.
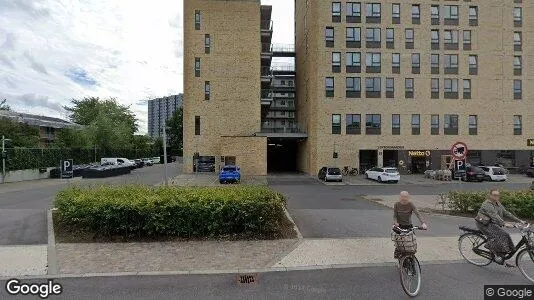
391	158
368	159
282	155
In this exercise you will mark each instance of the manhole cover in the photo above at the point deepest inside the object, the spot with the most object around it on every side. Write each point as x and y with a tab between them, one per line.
248	278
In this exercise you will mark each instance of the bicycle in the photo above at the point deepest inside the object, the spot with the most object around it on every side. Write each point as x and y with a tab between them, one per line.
474	239
347	172
409	267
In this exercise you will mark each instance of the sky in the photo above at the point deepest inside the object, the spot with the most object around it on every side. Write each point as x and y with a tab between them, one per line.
52	51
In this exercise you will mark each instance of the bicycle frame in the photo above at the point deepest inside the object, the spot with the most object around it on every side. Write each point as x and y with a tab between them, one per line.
487	254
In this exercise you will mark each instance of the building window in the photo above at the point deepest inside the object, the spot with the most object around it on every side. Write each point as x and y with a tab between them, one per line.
434	63
517	41
409	38
416	14
373	62
372	87
409	88
467	89
434	124
336	62
518	126
473	15
207	90
373	124
373	37
390	38
434	39
353	124
197	125
395	13
451	88
518	65
451	125
473	125
336	12
451	63
450	38
395	63
354	12
390	88
329	86
329	36
353	37
467	39
518	17
353	62
353	87
473	64
517	89
434	88
197	67
197	19
450	14
373	13
434	14
416	63
336	124
207	43
395	124
416	124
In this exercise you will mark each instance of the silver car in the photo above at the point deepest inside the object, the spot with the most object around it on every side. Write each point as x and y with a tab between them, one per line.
330	174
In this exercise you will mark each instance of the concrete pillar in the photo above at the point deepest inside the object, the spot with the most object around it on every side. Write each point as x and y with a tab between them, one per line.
380	158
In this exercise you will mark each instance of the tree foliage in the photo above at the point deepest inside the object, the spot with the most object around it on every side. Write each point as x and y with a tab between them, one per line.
20	134
4	106
176	131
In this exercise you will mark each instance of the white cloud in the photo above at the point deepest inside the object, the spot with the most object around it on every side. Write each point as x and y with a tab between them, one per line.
54	50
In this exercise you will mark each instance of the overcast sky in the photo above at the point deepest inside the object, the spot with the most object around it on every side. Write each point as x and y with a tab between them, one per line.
55	50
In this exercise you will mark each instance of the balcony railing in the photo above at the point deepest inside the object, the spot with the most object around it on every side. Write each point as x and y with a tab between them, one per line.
283	48
295	128
283	68
266	94
267	25
266	71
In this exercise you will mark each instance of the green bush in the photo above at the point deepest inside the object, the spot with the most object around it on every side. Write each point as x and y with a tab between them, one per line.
142	211
520	203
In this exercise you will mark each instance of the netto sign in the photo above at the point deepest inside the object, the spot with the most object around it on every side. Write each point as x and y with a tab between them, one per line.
418	153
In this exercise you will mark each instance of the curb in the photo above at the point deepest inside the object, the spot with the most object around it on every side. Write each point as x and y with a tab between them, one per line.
52	264
231	272
288	216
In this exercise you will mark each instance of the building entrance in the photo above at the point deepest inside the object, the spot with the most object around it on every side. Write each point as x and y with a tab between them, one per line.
368	159
282	155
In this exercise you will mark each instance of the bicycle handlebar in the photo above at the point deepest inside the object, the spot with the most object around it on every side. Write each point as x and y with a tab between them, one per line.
408	230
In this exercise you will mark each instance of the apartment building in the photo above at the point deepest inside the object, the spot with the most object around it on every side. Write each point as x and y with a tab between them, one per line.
159	111
397	83
225	45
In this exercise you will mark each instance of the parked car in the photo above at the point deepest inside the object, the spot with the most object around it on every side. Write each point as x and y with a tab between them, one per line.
473	173
139	163
205	164
148	162
118	161
530	172
330	174
230	174
156	160
494	173
387	174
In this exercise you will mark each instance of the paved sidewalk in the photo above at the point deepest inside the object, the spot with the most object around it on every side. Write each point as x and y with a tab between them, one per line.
211	179
171	256
23	260
422	202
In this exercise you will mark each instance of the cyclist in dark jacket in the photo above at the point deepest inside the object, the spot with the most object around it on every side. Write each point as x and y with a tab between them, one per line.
402	215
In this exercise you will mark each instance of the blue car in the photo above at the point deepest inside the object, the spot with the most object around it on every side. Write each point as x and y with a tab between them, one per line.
230	174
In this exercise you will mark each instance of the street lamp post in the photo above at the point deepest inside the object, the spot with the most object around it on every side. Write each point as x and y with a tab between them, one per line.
4	158
165	155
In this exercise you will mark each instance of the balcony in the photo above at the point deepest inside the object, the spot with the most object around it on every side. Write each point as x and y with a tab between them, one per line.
266	50
48	136
266	97
283	69
266	26
266	74
282	108
295	128
283	50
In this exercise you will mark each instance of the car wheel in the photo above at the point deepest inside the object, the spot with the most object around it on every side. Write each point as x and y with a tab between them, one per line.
379	179
366	176
221	182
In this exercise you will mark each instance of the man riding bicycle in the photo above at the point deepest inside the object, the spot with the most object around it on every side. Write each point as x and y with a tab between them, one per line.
402	216
490	220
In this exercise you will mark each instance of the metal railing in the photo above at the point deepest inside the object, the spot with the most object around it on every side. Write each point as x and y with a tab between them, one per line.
266	94
295	128
267	25
283	68
285	48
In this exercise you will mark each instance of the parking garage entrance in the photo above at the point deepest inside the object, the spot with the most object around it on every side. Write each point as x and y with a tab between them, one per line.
282	155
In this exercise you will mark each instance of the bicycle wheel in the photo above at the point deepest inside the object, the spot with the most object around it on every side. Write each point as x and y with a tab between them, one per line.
410	275
525	263
467	243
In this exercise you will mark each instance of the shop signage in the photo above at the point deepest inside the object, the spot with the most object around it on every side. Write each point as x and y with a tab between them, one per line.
530	142
391	147
419	153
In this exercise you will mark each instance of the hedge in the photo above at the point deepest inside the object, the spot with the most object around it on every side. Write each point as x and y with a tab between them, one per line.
142	211
520	203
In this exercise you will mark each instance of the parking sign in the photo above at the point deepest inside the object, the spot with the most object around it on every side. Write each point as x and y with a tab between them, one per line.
66	168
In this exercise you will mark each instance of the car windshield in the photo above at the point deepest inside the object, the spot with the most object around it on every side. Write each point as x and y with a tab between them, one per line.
229	169
334	171
391	170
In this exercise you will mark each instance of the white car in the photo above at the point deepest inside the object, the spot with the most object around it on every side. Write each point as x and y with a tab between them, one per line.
494	173
383	174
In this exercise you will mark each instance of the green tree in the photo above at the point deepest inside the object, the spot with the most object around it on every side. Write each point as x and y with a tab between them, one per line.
73	138
21	134
4	106
108	134
176	131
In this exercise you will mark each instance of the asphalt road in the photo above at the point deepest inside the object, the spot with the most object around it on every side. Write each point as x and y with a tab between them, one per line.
446	281
23	205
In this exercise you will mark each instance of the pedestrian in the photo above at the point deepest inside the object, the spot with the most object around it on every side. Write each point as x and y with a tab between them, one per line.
490	220
402	216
